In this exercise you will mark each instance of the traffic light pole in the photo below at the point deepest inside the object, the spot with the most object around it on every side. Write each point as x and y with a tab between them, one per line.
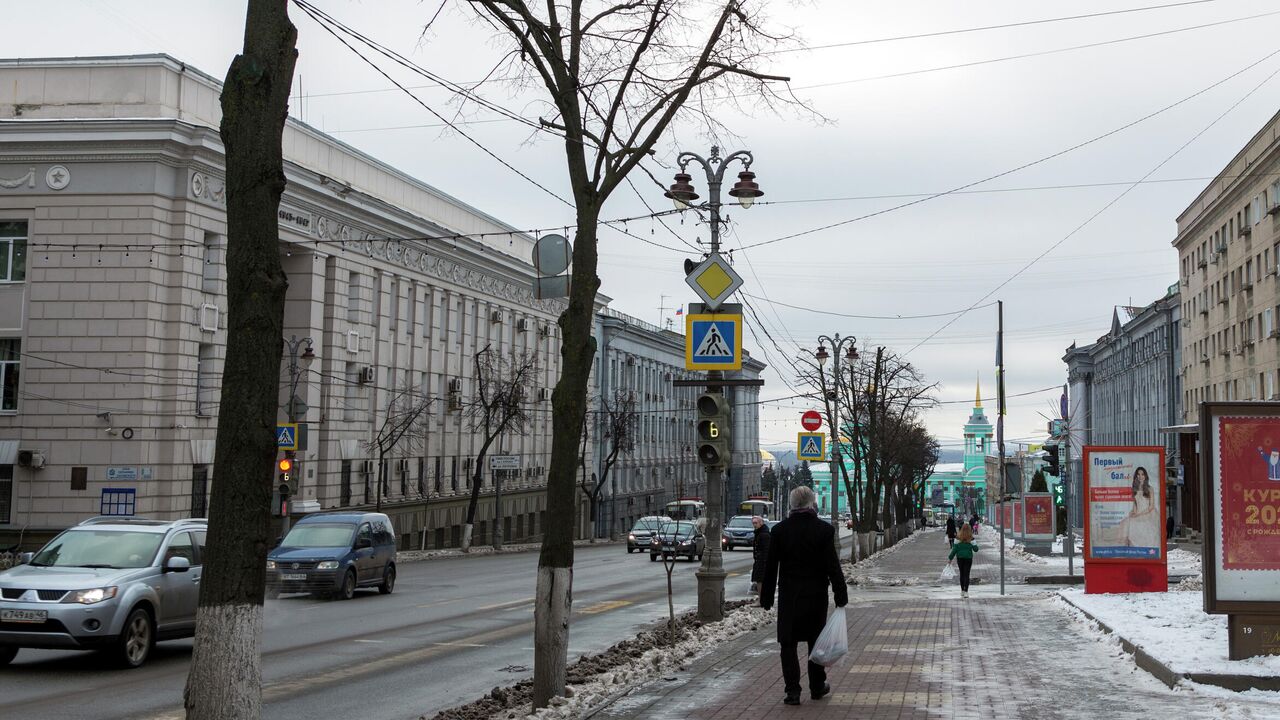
711	574
1066	499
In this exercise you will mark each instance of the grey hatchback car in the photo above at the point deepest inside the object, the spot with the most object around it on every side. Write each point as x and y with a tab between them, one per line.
111	583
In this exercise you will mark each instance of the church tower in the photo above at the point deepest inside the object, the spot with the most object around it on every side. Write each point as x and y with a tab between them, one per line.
977	440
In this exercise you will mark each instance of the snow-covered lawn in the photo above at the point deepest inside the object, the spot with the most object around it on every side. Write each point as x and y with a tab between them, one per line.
1173	628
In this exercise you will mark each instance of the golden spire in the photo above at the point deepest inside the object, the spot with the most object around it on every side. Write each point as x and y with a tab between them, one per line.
977	395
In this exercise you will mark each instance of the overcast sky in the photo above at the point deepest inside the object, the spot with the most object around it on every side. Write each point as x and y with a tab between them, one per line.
918	133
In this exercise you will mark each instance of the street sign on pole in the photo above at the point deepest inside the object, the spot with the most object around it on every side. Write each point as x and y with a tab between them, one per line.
504	462
713	342
811	420
287	436
714	280
811	446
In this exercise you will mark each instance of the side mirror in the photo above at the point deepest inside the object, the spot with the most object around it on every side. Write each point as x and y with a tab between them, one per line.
364	542
25	558
177	564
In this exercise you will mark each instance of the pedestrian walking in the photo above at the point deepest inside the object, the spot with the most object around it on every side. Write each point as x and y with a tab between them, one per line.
962	554
759	552
801	563
973	523
951	530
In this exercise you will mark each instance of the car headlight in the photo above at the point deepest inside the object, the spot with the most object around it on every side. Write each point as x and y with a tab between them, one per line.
686	542
89	597
327	565
631	537
271	564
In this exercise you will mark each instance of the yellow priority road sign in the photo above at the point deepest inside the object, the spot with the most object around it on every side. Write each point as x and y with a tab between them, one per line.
714	280
811	446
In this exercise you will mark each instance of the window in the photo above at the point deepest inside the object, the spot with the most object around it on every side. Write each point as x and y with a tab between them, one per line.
10	366
180	546
199	491
352	400
206	400
1267	327
13	251
209	268
6	494
345	479
353	297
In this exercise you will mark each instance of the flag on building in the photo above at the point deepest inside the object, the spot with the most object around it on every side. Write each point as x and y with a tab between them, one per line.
679	311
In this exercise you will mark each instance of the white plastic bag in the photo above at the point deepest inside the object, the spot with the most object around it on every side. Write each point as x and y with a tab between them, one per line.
833	643
948	572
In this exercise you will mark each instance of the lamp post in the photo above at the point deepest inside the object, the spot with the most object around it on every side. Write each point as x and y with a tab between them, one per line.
849	344
295	406
711	574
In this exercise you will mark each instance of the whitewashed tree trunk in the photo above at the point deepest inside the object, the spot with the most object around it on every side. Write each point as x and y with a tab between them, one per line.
554	600
466	536
226	636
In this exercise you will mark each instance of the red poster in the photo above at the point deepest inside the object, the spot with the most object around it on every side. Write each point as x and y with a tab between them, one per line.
1250	488
1039	514
1017	517
1007	510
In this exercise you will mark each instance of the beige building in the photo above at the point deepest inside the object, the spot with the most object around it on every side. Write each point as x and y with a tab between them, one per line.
1228	250
112	310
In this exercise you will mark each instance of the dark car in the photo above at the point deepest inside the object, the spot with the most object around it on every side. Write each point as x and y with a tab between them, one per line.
333	554
738	532
678	538
642	534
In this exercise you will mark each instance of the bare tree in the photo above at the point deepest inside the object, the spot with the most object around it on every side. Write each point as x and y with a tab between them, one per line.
618	421
403	428
225	678
617	75
498	406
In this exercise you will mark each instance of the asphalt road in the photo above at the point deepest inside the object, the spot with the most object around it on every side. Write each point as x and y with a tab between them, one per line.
452	630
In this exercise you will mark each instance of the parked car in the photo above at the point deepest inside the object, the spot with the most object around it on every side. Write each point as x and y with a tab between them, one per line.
679	538
738	532
642	533
111	583
332	554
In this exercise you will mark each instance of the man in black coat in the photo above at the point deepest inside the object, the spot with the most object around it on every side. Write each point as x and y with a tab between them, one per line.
951	529
802	562
759	552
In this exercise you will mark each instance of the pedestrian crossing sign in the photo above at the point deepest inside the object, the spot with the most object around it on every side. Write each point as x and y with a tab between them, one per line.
713	342
287	436
811	446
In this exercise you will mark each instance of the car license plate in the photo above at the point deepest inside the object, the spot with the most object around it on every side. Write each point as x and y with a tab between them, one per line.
24	616
293	576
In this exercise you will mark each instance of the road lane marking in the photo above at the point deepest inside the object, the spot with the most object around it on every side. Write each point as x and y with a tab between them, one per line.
440	602
604	606
364	640
459	644
733	574
513	603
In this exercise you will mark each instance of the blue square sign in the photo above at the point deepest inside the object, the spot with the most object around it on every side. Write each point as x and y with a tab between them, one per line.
713	342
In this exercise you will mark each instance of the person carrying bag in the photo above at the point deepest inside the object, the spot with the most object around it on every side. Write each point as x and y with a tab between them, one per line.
962	553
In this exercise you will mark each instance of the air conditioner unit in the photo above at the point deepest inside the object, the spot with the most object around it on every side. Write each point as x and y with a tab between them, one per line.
1186	281
208	318
495	316
1247	286
1202	263
1274	333
522	325
1204	358
544	393
455	385
1223	300
1225	352
353	342
1273	209
544	330
1248	343
1213	259
1246	230
1186	322
366	375
33	459
631	360
1271	271
367	467
1221	249
1204	311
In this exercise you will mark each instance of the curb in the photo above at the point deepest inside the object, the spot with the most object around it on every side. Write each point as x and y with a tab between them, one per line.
516	550
1170	677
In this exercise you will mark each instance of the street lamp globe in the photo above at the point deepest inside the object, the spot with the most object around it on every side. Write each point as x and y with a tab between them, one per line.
852	354
308	354
682	193
822	355
746	189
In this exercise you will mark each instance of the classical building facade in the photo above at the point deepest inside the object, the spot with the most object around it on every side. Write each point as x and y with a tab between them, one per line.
641	360
964	484
1127	386
113	300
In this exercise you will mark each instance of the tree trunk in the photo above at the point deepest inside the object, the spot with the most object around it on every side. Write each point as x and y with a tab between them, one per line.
382	478
224	681
568	402
476	478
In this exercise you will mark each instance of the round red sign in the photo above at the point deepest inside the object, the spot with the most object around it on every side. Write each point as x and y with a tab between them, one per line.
811	420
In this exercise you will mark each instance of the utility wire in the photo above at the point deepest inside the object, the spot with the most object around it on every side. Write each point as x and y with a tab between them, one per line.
860	317
1024	166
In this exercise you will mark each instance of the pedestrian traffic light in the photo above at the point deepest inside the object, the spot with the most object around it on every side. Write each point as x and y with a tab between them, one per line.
714	418
1051	451
1057	494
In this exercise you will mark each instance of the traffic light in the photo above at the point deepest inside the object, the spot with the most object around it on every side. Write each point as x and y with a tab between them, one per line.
280	503
1057	494
714	418
1051	451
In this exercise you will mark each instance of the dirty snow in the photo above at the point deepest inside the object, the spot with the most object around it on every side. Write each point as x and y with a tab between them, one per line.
477	550
1173	628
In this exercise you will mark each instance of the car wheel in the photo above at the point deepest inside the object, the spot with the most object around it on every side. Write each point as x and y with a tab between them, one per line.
136	640
388	580
653	558
7	654
348	589
630	550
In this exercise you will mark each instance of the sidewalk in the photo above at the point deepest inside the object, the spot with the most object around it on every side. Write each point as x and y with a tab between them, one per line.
918	651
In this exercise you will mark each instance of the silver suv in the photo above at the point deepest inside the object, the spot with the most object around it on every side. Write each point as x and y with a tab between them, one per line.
111	583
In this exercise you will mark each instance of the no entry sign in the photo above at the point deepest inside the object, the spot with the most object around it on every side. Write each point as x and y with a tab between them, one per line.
811	420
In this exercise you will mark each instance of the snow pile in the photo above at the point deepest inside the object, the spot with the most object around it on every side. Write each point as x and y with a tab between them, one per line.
477	550
1173	628
1193	583
1020	552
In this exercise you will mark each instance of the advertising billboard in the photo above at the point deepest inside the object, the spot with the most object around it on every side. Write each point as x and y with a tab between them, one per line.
1240	456
1124	519
1039	510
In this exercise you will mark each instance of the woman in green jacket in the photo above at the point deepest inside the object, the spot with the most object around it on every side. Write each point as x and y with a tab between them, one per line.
963	552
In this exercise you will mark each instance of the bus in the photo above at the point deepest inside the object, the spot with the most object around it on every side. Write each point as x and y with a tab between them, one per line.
690	508
757	505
